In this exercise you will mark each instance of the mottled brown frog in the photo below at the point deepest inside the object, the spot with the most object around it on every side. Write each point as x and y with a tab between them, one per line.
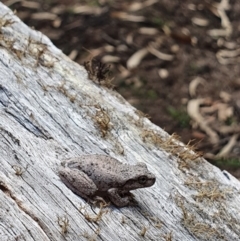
101	175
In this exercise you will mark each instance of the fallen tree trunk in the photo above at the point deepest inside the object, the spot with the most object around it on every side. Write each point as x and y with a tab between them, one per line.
51	111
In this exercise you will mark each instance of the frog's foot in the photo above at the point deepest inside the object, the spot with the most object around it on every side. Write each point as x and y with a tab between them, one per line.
120	199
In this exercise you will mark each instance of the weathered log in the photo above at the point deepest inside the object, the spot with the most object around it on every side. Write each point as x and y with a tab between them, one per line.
51	111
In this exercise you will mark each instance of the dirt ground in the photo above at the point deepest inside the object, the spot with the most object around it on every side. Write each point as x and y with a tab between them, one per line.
177	61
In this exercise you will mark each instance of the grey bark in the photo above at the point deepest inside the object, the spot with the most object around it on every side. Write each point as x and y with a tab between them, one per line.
50	111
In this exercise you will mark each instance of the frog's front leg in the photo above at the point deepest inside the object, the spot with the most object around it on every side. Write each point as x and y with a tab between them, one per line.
78	182
119	200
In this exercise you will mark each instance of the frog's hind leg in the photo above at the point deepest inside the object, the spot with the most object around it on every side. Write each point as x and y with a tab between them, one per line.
78	182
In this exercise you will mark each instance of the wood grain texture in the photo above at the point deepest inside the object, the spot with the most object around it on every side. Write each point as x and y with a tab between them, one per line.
50	111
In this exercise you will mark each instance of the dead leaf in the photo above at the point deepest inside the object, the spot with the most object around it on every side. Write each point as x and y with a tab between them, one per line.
148	31
44	16
198	135
194	84
194	112
110	59
228	56
224	111
158	54
227	148
219	9
11	2
136	58
128	17
81	9
30	4
136	6
202	22
226	97
57	22
228	129
73	54
124	73
163	73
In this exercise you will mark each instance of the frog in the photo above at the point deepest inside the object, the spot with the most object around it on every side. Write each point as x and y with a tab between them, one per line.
99	175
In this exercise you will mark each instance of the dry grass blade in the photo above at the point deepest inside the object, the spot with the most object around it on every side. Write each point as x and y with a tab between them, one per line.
99	73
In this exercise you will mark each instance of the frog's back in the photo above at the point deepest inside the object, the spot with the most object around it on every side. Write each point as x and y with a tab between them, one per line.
103	170
99	159
96	163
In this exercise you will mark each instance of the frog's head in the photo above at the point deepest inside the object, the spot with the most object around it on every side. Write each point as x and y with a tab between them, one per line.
139	177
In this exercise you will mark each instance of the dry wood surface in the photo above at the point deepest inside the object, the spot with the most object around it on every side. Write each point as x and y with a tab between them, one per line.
51	111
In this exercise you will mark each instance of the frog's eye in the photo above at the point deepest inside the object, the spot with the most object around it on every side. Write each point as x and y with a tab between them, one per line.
142	179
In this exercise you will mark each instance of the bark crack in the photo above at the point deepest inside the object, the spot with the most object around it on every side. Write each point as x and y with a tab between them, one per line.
5	189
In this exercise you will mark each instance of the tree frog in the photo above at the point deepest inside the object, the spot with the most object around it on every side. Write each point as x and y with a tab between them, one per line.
102	175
